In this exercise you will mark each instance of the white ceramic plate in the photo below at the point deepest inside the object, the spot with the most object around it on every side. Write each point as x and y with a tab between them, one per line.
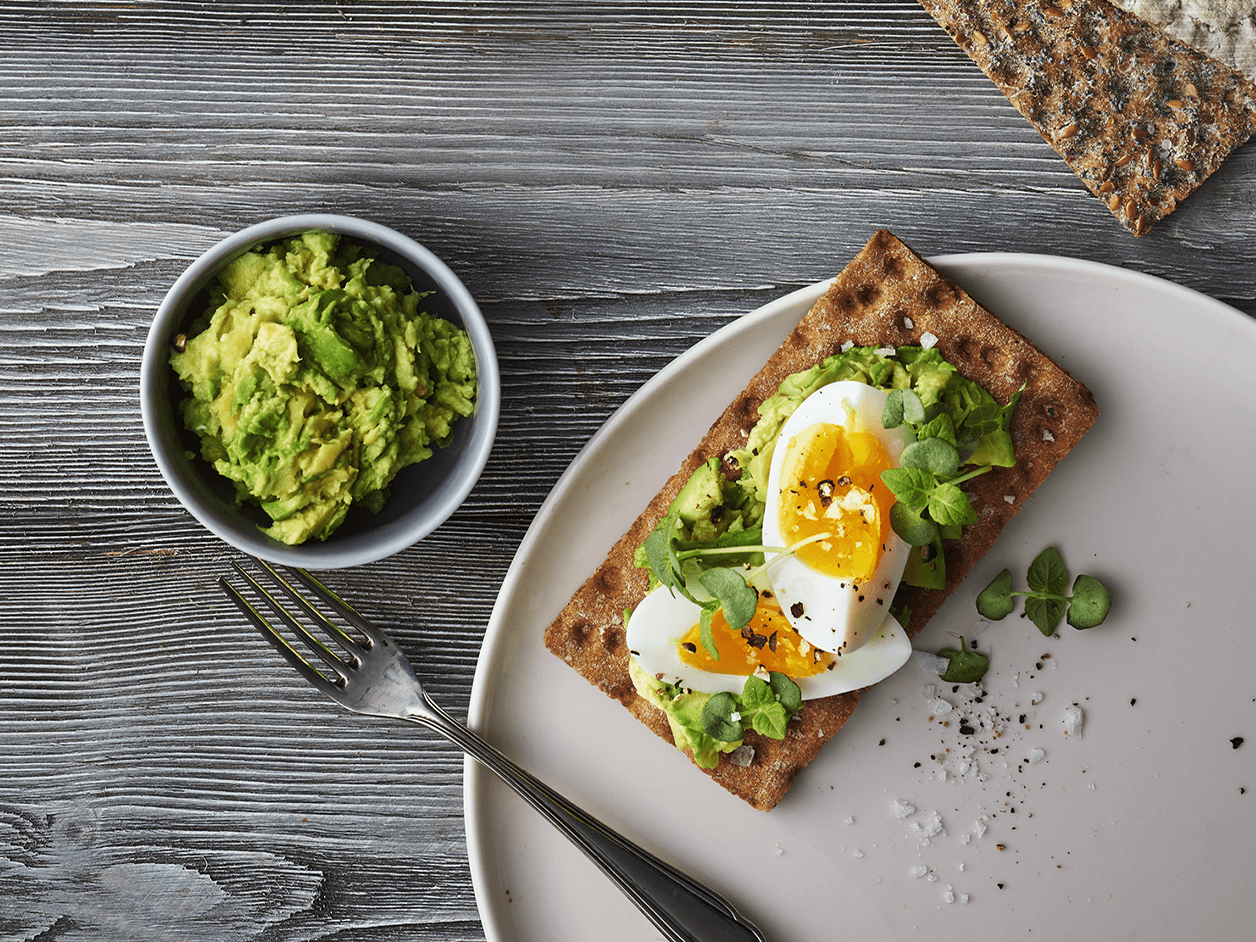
1142	828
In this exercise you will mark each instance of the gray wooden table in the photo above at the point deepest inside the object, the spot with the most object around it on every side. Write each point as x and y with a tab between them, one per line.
613	182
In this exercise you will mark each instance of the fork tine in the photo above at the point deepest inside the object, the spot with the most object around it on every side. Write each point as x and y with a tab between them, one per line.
346	611
326	654
271	634
350	644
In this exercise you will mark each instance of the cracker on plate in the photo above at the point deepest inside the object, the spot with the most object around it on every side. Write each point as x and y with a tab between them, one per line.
1141	118
887	295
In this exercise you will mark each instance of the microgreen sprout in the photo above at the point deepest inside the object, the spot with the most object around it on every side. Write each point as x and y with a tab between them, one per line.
964	665
729	587
765	706
929	502
1047	601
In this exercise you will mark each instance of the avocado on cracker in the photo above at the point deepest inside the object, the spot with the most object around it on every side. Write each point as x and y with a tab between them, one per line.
315	376
886	297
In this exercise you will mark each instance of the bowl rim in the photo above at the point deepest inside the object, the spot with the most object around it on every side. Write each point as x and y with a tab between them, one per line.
358	550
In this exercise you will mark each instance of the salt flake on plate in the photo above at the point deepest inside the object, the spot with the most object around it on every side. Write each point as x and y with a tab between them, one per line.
1073	721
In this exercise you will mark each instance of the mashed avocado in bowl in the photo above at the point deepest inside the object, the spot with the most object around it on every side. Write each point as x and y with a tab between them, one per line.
316	376
320	391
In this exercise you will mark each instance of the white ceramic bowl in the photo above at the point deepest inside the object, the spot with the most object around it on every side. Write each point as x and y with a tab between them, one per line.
422	495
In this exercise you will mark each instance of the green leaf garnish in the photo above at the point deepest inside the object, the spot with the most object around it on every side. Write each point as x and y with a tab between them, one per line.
766	706
964	666
1046	613
1047	573
1091	602
995	601
728	586
949	505
910	486
717	719
902	405
1047	602
933	466
914	528
788	693
932	454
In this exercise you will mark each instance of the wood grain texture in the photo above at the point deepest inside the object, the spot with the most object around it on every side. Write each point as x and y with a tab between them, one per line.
613	181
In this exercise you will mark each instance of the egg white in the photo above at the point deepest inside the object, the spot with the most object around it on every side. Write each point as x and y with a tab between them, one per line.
836	615
662	619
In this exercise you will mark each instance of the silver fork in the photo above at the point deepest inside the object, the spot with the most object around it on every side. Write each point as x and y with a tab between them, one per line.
372	676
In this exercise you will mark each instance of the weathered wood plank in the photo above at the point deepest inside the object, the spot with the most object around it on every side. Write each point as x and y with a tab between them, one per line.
614	181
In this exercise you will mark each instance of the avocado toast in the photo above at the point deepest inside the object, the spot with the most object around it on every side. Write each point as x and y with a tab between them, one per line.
887	296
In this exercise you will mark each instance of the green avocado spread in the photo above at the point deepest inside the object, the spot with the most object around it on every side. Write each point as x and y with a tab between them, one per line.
722	503
315	376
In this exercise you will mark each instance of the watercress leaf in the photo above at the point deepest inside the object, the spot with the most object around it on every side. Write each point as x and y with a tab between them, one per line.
902	405
892	412
756	694
949	505
704	631
1047	573
1046	613
788	693
770	721
729	588
914	529
910	486
913	408
964	666
982	418
656	553
1090	603
716	718
940	426
933	454
995	601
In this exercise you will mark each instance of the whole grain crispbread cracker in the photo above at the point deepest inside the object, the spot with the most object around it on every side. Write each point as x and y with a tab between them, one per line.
1223	29
887	296
1140	117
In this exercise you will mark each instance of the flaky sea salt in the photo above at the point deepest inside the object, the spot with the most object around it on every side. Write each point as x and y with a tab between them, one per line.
919	870
928	340
1073	721
933	663
1035	755
940	707
903	809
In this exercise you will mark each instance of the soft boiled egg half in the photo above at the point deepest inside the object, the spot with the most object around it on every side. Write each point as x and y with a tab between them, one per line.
825	622
825	478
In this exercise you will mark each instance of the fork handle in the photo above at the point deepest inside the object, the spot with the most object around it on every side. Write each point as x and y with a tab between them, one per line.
682	909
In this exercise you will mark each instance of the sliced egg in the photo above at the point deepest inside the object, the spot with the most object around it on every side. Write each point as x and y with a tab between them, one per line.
824	485
663	637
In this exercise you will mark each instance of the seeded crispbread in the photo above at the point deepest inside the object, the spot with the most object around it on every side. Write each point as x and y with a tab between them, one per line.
886	296
1224	29
1141	118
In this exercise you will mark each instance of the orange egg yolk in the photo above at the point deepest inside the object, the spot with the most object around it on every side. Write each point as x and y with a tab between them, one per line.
830	482
769	641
